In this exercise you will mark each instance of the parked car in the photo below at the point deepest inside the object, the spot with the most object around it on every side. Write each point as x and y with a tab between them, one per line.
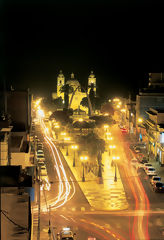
137	149
124	130
150	171
158	187
40	158
155	179
39	151
145	165
144	160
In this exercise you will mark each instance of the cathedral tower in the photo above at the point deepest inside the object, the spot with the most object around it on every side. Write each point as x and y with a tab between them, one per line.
60	83
92	80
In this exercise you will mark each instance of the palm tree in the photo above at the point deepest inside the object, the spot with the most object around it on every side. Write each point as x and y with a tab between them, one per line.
66	89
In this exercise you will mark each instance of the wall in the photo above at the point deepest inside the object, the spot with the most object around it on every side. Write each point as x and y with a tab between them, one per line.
21	158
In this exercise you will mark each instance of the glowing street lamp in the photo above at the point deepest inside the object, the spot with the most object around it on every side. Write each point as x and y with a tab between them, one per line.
83	159
106	127
109	138
63	133
116	100
123	110
111	147
74	147
41	113
115	161
140	120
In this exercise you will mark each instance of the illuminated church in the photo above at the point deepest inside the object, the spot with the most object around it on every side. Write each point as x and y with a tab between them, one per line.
79	94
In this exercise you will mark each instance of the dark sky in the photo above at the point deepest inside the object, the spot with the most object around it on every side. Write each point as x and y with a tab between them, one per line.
120	41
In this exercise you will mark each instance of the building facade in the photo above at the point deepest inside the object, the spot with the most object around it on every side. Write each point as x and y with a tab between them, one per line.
155	134
78	91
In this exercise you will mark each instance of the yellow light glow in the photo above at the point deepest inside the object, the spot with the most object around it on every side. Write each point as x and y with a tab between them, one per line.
116	100
37	102
106	126
112	146
67	138
123	110
49	113
83	158
108	133
57	126
41	113
63	133
80	119
140	120
110	138
118	106
116	158
74	147
106	114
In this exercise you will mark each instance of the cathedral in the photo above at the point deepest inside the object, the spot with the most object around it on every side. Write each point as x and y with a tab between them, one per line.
79	92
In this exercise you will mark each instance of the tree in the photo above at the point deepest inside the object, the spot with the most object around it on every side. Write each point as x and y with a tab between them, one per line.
93	144
101	120
58	103
107	108
66	89
61	116
92	96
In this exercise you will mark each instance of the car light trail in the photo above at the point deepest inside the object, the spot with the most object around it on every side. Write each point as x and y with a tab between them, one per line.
108	231
64	190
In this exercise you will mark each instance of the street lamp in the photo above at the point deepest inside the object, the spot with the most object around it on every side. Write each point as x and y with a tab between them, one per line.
67	139
83	159
109	138
106	127
74	147
111	147
115	161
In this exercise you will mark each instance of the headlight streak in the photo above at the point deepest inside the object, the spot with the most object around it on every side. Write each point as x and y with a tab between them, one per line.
62	196
144	205
58	173
108	231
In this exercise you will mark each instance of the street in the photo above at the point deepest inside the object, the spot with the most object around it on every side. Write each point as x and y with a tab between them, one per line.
66	204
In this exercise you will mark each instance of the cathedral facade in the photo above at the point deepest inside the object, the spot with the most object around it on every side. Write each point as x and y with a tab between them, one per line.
78	91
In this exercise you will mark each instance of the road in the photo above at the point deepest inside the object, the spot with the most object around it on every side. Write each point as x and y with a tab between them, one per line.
143	220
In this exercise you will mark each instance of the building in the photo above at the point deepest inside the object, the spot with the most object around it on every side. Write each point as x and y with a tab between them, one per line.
17	109
155	134
92	80
78	91
153	96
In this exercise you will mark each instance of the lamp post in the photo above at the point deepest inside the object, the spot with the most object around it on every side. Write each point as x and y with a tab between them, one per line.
115	161
74	147
83	159
67	139
111	147
106	127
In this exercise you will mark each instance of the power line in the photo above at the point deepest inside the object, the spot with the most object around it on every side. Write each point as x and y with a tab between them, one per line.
23	228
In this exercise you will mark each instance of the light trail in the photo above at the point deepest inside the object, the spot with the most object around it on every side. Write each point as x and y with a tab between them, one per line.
64	188
141	199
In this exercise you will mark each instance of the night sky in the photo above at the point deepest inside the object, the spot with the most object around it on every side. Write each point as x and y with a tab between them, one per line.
120	41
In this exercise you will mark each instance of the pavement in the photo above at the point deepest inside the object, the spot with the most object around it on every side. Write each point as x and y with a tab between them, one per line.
102	193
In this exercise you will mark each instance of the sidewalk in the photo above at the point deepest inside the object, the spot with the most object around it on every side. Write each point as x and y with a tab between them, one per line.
109	195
